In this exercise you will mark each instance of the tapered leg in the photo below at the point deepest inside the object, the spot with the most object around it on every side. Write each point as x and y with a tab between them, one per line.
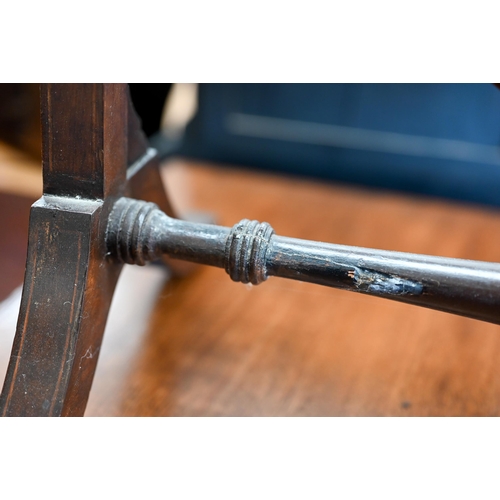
69	280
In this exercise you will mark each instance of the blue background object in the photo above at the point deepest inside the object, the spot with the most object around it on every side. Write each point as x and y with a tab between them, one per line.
433	139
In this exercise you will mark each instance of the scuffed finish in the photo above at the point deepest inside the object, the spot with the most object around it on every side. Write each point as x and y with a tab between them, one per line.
366	280
250	252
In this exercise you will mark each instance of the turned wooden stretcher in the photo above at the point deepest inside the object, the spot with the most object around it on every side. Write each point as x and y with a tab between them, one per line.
97	165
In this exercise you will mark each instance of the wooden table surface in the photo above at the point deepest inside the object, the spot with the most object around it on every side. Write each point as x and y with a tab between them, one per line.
205	346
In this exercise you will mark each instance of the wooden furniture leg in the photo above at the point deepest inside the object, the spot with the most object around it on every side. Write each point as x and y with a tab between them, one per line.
90	134
85	226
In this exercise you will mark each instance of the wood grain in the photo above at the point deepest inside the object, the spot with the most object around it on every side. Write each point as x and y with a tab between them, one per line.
204	345
84	150
69	281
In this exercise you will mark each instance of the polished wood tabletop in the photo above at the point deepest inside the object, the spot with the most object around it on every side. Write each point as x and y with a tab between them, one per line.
202	345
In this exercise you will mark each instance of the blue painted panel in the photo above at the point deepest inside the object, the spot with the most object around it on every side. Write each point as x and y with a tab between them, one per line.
435	139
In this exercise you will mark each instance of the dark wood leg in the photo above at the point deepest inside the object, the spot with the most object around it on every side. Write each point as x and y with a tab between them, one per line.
90	134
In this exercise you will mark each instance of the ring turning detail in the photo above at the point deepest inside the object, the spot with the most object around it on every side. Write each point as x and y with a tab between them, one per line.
250	252
246	251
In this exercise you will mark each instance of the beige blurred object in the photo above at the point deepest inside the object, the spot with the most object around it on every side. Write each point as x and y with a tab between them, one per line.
20	140
181	106
20	173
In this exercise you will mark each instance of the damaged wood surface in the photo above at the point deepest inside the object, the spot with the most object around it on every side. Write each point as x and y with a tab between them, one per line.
204	345
250	252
